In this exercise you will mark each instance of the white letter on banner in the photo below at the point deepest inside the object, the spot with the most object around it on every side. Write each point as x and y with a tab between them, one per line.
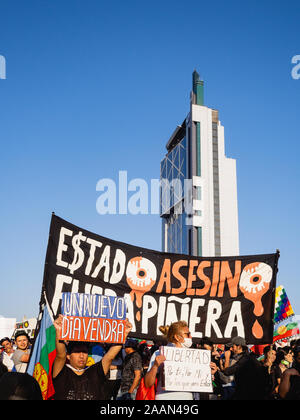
171	315
67	304
121	308
161	313
65	328
235	320
149	310
214	311
87	305
78	252
194	318
62	246
60	280
77	328
130	311
107	334
119	262
104	262
93	244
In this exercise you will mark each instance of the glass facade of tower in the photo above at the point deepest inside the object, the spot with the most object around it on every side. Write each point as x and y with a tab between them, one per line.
198	185
173	173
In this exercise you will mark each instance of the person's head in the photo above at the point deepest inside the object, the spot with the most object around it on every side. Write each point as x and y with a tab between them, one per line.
285	356
178	333
22	340
7	345
77	354
288	354
19	386
238	345
131	346
270	354
144	351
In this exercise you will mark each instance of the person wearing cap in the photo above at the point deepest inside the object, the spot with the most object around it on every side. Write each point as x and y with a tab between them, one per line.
8	351
250	377
21	355
132	371
72	378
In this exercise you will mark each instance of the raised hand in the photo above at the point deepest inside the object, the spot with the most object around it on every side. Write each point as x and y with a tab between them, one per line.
58	324
128	327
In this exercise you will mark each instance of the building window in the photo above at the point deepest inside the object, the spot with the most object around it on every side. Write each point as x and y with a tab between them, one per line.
198	148
199	241
173	174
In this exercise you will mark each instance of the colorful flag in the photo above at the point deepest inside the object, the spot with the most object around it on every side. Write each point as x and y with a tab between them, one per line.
286	330
96	352
283	308
285	327
43	355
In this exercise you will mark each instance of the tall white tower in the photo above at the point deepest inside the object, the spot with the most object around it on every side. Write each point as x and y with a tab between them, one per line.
199	216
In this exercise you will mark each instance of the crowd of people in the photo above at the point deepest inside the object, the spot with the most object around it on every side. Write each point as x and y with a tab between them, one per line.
136	370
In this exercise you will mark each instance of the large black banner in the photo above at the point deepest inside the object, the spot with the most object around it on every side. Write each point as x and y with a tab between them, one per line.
219	297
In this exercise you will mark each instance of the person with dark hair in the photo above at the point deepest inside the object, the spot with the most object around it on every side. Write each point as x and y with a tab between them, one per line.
249	375
132	371
273	372
146	354
7	353
289	388
19	386
228	358
72	378
284	358
22	353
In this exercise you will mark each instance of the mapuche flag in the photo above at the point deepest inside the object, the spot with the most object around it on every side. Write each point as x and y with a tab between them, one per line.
43	355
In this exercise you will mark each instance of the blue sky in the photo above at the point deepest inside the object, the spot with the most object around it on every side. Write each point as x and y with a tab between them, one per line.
95	87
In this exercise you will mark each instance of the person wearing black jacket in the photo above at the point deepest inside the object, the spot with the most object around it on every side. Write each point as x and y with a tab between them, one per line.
250	377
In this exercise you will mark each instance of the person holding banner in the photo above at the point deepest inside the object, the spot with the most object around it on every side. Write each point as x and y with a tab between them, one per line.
72	379
178	335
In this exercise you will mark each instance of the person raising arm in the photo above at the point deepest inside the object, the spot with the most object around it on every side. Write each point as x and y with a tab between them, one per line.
72	379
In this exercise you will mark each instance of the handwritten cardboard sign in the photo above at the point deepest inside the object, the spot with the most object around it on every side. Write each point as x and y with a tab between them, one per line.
93	318
187	369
